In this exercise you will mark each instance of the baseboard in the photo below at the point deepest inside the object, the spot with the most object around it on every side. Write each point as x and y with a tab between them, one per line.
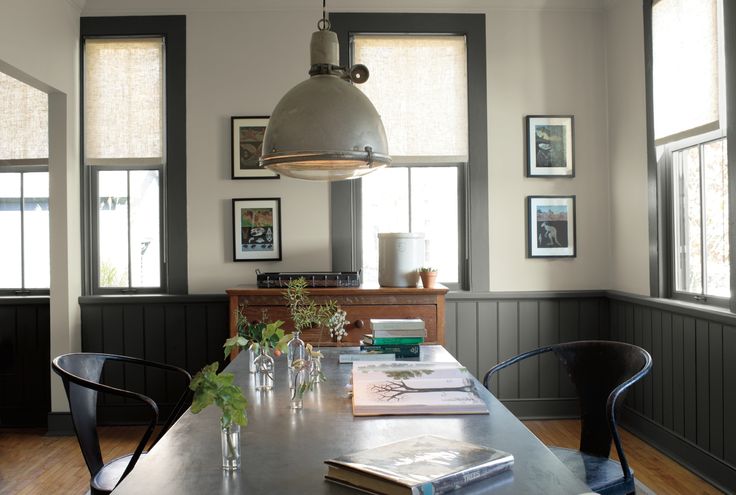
543	408
60	424
704	464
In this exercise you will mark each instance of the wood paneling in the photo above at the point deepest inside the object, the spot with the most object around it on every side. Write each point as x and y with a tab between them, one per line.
25	396
185	331
684	404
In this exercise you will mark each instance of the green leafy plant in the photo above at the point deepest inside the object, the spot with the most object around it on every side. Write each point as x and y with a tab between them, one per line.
426	269
305	313
258	335
209	388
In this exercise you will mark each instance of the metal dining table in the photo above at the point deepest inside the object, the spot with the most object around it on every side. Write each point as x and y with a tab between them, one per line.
284	450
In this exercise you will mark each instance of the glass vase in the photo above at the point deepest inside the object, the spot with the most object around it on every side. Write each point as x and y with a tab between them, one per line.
316	369
251	360
264	370
230	441
295	351
300	376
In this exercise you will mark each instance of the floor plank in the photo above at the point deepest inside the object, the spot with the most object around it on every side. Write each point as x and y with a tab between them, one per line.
657	471
32	463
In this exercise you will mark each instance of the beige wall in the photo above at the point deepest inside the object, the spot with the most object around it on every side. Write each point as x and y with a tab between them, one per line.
542	58
629	264
39	45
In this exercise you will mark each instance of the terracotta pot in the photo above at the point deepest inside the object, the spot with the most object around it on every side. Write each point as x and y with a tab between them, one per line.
428	279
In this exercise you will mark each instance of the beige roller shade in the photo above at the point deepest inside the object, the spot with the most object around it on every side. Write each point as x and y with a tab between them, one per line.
419	86
685	68
123	101
24	121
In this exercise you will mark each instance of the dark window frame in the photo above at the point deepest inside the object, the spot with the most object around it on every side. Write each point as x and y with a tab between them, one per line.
661	272
173	179
345	199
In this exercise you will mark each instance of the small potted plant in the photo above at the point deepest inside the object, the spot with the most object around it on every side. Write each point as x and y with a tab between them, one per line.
428	276
209	387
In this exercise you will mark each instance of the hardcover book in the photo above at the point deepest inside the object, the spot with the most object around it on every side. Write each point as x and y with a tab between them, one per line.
414	387
370	339
399	350
422	465
396	324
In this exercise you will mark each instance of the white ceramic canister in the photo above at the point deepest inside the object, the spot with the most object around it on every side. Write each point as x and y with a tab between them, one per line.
400	254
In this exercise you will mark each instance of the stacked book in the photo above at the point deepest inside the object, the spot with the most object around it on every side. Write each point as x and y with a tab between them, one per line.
399	337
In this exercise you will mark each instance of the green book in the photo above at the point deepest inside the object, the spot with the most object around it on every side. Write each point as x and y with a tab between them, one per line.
369	339
398	350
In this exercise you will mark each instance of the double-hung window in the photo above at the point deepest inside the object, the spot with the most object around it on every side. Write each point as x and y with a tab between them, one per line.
420	83
688	92
24	189
133	163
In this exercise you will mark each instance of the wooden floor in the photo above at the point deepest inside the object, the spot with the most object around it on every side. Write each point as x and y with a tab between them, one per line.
659	473
32	463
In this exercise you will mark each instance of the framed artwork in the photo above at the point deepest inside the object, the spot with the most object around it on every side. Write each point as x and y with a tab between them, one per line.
257	229
549	146
246	144
551	226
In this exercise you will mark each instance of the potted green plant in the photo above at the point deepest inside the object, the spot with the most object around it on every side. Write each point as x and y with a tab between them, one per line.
209	388
428	276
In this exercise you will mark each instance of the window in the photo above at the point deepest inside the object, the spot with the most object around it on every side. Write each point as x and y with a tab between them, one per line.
24	189
688	59
425	83
134	164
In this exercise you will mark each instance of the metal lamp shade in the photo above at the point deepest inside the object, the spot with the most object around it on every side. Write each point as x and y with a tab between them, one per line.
321	130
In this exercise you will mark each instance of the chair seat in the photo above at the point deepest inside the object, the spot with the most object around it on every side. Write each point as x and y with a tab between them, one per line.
601	474
108	477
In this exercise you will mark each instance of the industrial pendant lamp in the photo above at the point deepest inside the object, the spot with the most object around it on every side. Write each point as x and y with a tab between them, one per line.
324	128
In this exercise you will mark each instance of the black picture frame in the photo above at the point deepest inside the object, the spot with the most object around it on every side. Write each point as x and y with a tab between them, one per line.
256	229
550	146
551	227
246	142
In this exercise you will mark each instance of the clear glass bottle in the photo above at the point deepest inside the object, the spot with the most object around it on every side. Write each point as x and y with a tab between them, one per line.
264	370
230	441
251	360
295	350
297	388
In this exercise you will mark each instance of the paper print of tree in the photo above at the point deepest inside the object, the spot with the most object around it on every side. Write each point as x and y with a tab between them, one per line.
395	390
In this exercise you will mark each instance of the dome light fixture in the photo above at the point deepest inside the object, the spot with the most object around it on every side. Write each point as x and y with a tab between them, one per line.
325	128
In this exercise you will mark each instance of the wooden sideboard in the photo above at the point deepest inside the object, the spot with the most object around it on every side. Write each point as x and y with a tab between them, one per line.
360	304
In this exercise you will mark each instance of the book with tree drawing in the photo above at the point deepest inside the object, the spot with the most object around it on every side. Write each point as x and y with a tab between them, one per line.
411	387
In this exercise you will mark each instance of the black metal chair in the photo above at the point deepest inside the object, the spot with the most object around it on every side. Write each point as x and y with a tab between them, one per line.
81	374
601	372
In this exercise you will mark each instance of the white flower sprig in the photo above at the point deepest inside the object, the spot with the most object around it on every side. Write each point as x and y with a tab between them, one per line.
336	324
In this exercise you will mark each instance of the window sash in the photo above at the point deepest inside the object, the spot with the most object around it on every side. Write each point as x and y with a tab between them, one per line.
677	220
95	255
458	272
33	250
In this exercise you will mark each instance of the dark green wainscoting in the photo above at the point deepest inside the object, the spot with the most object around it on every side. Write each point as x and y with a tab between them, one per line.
186	331
25	395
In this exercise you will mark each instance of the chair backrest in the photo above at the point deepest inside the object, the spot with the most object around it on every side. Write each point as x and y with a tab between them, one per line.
601	371
81	374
